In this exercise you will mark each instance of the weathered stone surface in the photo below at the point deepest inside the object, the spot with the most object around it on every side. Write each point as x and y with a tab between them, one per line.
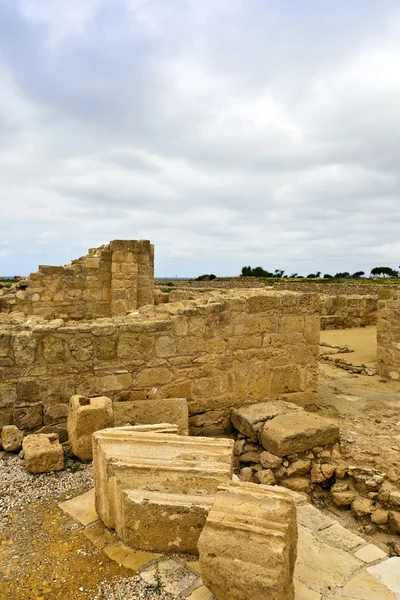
81	508
160	521
249	419
334	565
28	417
370	553
234	569
380	516
161	410
367	588
342	538
43	453
290	433
11	438
270	461
362	507
265	477
85	416
388	573
149	485
312	518
344	498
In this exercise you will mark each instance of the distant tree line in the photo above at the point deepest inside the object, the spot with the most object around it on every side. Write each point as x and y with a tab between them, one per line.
279	273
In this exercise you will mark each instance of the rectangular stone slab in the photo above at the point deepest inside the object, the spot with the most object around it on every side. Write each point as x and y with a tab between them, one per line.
156	462
167	410
297	432
249	419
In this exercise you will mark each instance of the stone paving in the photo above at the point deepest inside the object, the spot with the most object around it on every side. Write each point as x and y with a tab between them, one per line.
333	563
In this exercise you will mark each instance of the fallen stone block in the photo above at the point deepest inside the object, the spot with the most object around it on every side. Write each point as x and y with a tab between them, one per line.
85	416
160	410
297	432
248	546
249	419
159	521
43	453
132	459
11	438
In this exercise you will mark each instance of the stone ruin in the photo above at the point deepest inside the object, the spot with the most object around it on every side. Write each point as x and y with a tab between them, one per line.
86	344
109	281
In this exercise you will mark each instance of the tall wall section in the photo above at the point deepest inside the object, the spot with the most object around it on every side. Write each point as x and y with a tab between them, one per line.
241	348
110	280
388	334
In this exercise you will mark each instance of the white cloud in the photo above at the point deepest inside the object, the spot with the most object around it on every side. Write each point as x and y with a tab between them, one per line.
184	122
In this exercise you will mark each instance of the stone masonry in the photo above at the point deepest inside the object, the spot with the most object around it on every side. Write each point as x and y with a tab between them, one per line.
226	351
388	330
110	280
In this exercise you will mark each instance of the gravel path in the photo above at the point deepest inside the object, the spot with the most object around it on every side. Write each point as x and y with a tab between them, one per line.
43	553
18	488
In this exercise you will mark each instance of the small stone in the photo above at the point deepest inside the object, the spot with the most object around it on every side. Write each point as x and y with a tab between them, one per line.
362	507
343	498
316	474
299	467
250	457
392	475
246	474
395	520
340	472
328	470
380	516
395	498
11	438
265	477
297	484
270	461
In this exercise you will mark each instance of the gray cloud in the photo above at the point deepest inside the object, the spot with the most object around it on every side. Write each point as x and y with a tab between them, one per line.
227	132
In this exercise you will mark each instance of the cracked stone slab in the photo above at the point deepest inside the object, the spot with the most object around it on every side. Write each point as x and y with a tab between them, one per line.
99	535
388	573
81	508
303	592
334	565
366	587
370	553
312	518
339	537
128	557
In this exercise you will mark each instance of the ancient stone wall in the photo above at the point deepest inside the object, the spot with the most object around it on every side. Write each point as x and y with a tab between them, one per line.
388	333
240	348
337	312
333	289
110	280
344	311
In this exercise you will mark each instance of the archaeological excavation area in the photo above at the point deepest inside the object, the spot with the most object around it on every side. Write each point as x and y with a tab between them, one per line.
197	440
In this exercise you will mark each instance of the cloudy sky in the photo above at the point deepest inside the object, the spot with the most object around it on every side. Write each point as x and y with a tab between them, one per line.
228	132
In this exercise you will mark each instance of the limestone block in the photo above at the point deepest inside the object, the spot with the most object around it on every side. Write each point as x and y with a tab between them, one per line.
142	460
28	417
43	453
164	410
249	543
249	419
11	438
290	433
159	521
85	416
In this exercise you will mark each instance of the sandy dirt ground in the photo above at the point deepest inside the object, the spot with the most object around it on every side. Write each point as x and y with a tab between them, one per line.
44	555
360	339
